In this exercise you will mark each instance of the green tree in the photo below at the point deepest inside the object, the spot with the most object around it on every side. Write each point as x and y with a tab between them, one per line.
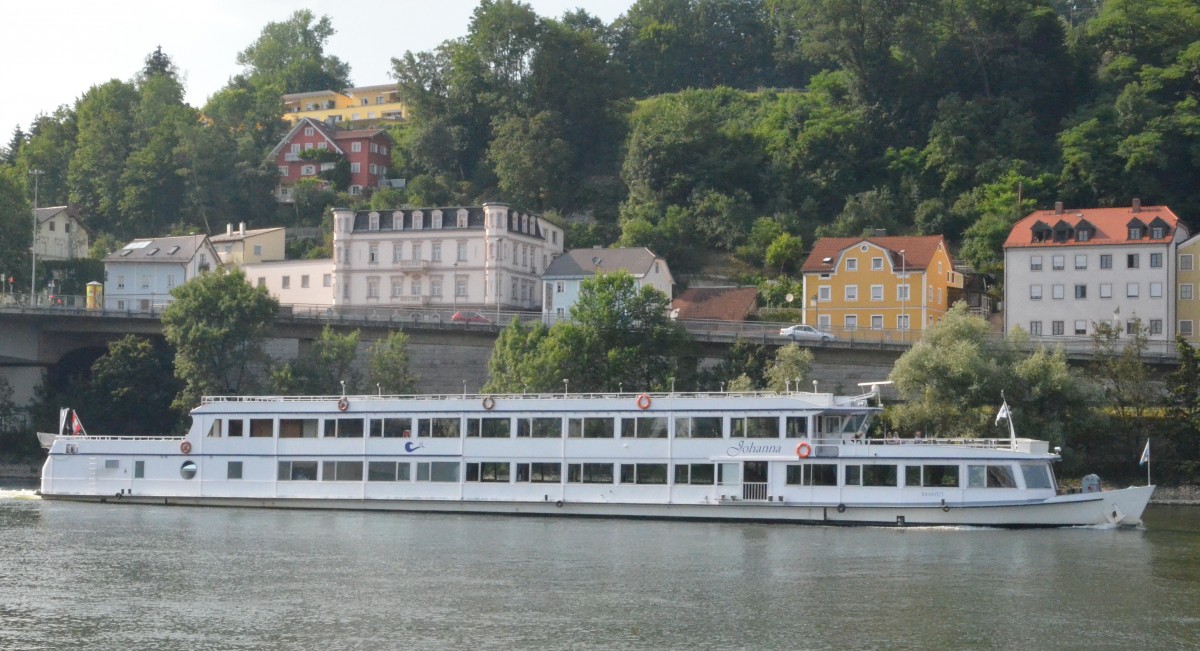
16	227
389	365
132	383
105	117
290	56
217	324
325	369
1182	449
513	364
531	160
785	254
1128	393
790	366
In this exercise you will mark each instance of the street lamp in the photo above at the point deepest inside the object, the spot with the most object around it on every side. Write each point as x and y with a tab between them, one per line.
36	174
903	298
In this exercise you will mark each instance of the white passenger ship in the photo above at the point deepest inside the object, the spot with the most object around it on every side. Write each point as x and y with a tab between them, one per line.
793	457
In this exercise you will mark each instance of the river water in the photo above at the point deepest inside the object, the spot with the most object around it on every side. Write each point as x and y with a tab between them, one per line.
98	576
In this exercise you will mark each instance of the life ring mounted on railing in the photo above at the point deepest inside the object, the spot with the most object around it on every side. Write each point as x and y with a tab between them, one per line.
643	401
185	447
488	403
804	450
343	403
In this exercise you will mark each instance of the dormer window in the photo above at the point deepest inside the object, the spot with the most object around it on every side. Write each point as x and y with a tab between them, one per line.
173	250
1156	233
1135	233
1083	235
151	251
397	221
462	217
418	220
373	221
437	219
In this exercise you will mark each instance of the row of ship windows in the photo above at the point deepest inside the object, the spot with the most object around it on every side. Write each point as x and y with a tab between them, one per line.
696	474
1132	261
597	427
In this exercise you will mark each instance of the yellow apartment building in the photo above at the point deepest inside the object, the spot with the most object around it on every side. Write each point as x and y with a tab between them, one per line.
366	103
1187	284
241	247
878	288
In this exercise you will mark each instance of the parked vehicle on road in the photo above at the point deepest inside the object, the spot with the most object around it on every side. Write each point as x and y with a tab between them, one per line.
802	332
469	317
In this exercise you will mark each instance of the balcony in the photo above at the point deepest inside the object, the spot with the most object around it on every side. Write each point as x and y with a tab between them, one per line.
291	158
412	264
412	300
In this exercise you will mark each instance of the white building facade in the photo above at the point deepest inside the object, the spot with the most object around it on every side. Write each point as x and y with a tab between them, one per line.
1067	270
140	276
481	257
294	282
60	234
562	279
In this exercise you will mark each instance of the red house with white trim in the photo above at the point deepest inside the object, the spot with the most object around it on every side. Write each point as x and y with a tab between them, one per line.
368	151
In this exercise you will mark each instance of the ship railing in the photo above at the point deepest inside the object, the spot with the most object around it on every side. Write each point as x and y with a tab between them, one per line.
754	490
823	398
43	437
984	443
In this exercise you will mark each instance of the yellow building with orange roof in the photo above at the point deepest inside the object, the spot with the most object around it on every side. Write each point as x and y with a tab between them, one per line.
887	288
365	103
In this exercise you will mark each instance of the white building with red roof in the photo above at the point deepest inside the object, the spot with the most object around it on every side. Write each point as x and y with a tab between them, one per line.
1066	270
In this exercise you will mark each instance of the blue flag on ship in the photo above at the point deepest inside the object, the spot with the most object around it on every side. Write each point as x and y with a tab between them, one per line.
1145	454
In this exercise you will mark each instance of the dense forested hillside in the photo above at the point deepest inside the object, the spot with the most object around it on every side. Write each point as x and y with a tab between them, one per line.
687	125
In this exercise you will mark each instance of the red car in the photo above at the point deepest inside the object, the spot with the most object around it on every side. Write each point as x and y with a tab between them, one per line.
469	317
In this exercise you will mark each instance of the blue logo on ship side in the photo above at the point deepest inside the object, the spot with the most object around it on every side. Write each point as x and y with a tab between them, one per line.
412	447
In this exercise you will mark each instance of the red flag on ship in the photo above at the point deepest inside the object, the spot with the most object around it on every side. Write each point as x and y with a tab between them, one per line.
76	426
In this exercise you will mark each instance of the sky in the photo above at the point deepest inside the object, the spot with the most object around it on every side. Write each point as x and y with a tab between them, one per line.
58	50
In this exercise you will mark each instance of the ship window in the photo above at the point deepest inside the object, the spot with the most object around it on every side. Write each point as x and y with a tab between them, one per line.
342	471
214	431
589	473
701	474
812	474
388	471
854	475
944	476
391	427
440	471
297	471
990	477
233	470
262	428
438	428
539	428
188	469
344	428
297	428
590	428
755	427
698	427
644	428
494	428
797	426
488	471
1036	476
237	427
879	475
539	473
643	473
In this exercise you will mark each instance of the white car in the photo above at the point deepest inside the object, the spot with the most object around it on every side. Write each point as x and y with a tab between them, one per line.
806	333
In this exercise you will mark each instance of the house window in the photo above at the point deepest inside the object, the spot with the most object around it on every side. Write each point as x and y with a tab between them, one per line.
1132	261
1106	261
1080	326
308	131
1058	292
356	147
1083	235
851	264
1058	262
355	190
327	280
1185	292
851	292
145	282
283	170
397	221
1057	328
1156	326
262	282
322	145
308	170
877	322
435	286
287	282
1035	263
415	287
120	282
303	282
373	287
876	292
258	250
1185	262
418	219
824	293
902	322
903	293
1157	233
1105	290
558	287
1155	260
1035	328
1132	290
1185	328
1081	262
1135	233
462	218
461	254
397	286
355	168
373	254
1035	292
460	286
435	252
416	251
851	322
876	264
1081	291
437	219
1156	290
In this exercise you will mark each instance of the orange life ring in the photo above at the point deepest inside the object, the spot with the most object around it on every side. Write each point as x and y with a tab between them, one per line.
489	402
343	404
643	401
185	447
804	450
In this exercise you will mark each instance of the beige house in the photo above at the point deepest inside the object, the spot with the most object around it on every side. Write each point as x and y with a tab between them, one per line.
243	247
60	234
294	282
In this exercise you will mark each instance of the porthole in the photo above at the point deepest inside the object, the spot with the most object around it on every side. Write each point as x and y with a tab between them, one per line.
188	469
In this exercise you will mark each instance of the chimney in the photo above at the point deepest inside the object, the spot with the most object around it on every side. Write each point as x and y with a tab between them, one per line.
1137	205
1058	208
229	229
241	228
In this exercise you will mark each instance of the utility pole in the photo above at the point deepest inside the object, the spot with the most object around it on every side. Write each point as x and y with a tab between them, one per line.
36	174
